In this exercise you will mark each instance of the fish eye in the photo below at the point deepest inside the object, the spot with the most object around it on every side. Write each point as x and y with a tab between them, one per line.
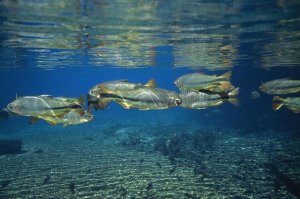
178	101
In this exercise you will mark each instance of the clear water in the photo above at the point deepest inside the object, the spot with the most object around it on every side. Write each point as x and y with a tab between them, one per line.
64	48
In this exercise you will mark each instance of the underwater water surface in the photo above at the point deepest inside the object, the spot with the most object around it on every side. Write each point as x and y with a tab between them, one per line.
64	48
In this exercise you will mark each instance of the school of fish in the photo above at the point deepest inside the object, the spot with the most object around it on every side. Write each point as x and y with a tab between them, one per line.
197	91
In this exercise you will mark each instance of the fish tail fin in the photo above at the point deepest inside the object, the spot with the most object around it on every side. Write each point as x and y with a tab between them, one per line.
81	100
234	101
226	75
235	92
151	83
277	102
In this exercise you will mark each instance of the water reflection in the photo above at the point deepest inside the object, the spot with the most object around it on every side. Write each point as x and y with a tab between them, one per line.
119	33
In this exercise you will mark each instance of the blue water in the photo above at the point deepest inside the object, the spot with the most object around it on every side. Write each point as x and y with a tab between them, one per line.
64	48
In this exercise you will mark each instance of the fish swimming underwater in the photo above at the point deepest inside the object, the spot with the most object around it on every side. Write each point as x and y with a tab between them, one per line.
44	105
51	109
199	82
141	98
200	100
292	103
281	86
95	93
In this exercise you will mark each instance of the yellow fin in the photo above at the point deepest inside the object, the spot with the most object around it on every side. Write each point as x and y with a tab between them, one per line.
81	100
234	101
102	103
50	121
226	75
33	120
151	83
235	92
124	104
277	102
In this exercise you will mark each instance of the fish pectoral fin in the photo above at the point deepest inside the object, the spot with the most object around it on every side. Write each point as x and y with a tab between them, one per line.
124	104
33	120
277	102
151	83
50	121
81	100
102	103
226	75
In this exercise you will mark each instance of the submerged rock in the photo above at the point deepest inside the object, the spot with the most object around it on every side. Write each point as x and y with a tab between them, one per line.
12	146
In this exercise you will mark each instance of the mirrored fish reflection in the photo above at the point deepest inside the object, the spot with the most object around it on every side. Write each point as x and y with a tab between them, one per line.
292	103
201	82
281	86
201	100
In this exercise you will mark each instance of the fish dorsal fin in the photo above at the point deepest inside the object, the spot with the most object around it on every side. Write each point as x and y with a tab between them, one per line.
45	95
121	80
33	120
285	78
226	75
235	92
81	100
151	83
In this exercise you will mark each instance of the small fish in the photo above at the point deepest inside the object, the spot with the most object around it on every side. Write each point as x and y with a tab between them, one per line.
199	81
292	103
200	100
281	86
159	165
254	95
172	170
72	187
46	179
143	98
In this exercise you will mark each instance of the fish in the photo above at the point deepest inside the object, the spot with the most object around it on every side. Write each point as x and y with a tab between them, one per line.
199	81
280	86
73	117
144	98
95	93
45	105
292	103
201	100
